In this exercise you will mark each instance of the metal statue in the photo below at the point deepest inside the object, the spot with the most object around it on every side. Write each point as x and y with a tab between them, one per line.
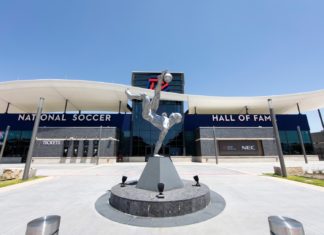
162	122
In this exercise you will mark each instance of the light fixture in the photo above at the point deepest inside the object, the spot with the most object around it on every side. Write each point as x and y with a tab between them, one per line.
160	187
196	178
124	178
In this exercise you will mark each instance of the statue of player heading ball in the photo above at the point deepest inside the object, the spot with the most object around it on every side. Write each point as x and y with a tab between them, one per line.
162	122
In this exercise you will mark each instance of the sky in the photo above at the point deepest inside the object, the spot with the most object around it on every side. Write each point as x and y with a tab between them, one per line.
224	47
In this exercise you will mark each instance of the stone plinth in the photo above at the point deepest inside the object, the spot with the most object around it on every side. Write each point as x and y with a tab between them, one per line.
181	201
159	170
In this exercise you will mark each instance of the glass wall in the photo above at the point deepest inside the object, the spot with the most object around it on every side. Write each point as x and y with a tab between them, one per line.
144	134
17	143
190	143
291	145
123	145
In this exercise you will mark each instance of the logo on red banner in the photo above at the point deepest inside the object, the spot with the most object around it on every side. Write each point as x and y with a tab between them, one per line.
152	82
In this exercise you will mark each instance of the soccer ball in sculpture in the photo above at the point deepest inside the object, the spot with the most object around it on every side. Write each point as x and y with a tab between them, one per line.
167	77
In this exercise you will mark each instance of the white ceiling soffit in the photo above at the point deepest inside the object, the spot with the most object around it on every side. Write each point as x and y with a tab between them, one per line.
283	104
24	95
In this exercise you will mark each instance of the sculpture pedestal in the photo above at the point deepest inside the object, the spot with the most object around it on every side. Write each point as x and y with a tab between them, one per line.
139	202
180	197
159	170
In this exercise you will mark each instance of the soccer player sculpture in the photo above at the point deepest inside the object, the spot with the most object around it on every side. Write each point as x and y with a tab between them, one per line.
162	122
174	196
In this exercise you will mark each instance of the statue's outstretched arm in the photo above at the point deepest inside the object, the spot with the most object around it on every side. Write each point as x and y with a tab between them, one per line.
157	93
132	96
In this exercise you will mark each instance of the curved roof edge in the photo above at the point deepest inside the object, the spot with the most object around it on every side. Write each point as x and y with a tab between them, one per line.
23	96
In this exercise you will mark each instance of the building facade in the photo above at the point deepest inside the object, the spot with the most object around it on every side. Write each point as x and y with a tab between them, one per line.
128	135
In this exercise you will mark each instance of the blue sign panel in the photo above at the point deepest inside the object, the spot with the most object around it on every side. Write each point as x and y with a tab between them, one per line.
26	121
285	122
290	122
123	121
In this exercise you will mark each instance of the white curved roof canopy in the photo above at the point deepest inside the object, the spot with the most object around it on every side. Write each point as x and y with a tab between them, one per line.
24	95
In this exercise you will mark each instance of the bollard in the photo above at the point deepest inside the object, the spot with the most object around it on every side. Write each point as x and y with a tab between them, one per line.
47	225
280	225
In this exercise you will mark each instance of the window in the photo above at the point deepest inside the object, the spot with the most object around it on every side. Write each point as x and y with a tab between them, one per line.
291	145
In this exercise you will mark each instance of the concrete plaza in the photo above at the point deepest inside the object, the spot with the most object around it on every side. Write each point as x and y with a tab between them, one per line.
71	191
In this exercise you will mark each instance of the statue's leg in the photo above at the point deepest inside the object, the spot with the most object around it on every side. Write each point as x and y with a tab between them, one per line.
160	142
149	116
146	108
157	93
133	96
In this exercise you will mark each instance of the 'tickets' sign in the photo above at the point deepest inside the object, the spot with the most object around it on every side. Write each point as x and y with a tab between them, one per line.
51	142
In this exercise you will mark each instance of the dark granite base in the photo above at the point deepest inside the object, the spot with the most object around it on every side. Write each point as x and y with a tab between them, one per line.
215	207
139	202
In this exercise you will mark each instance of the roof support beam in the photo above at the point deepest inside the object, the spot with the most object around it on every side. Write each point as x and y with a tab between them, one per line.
119	108
320	116
298	108
65	98
66	103
129	108
7	109
10	104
